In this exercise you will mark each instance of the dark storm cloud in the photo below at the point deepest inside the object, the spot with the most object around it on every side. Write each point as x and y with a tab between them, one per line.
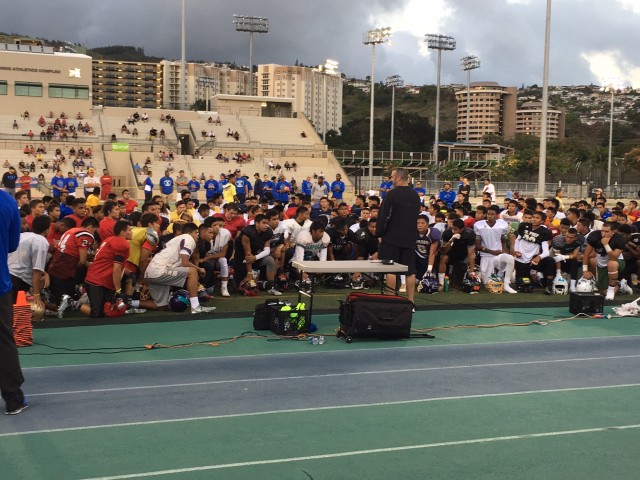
507	37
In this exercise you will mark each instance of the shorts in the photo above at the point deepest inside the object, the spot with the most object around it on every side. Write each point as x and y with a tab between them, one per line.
402	255
602	278
160	286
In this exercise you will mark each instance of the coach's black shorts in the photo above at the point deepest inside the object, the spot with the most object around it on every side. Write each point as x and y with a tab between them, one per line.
402	255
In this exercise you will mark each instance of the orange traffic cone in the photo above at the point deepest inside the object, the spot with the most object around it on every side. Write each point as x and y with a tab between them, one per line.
21	299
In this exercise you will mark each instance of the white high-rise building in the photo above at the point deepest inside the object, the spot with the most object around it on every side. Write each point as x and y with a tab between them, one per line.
316	92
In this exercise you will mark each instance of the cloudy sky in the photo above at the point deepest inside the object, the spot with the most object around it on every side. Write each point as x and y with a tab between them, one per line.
590	39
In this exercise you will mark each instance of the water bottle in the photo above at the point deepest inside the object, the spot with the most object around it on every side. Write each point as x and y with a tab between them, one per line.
446	283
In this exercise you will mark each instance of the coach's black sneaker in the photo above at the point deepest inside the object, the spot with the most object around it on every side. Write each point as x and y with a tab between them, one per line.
16	403
548	290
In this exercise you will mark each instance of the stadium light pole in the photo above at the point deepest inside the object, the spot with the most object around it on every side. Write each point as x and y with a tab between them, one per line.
611	86
183	64
542	163
206	82
469	63
393	81
245	23
377	36
330	67
440	43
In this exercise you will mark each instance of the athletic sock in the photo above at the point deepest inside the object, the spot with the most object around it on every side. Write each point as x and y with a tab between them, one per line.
572	283
441	278
195	303
225	283
135	303
558	272
611	290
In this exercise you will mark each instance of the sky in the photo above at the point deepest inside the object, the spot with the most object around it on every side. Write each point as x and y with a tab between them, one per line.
591	40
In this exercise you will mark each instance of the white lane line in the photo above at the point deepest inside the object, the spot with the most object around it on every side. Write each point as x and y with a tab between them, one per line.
474	441
316	409
338	351
329	375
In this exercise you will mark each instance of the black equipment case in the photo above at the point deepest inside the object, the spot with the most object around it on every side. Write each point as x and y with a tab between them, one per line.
365	315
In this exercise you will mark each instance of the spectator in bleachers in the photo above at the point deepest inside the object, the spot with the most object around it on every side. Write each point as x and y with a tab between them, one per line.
25	115
6	164
106	184
15	125
9	180
145	117
41	121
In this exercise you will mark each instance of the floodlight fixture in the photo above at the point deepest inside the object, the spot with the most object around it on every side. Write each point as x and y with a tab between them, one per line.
247	23
393	81
440	43
468	63
377	36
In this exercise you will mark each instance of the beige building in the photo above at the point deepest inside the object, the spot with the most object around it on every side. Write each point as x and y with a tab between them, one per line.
203	79
528	121
492	111
317	94
37	79
127	84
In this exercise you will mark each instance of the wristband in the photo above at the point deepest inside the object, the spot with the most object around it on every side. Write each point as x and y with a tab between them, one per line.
607	248
585	268
36	294
119	291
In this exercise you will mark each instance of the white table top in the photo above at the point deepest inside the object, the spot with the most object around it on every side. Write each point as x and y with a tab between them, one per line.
348	266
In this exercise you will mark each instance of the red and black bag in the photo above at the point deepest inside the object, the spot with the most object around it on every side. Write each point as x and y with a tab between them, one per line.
365	315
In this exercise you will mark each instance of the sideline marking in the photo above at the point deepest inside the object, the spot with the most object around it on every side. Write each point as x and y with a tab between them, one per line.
326	352
353	453
315	409
329	375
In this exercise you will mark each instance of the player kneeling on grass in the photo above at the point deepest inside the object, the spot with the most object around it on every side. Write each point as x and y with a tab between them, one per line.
213	246
604	249
172	267
104	276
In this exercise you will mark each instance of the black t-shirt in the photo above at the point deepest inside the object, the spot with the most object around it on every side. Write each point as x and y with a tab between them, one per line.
397	218
368	243
256	240
617	241
460	248
465	190
338	242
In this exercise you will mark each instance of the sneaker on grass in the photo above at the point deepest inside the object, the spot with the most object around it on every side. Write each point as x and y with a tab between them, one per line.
64	304
274	291
15	410
202	309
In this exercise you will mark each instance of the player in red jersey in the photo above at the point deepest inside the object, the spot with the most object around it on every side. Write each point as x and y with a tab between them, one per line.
111	211
68	266
105	273
79	211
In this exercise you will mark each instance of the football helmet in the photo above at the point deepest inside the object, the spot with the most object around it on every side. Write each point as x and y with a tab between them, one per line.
428	284
559	286
495	284
585	285
115	307
524	285
37	313
152	236
470	284
179	301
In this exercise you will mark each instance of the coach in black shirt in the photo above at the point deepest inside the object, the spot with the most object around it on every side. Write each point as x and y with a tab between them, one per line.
397	226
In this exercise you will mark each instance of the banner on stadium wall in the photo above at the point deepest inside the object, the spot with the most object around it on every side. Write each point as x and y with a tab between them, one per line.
119	147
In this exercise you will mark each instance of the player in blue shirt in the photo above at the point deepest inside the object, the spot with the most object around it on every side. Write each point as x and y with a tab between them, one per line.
72	183
337	187
306	186
166	186
211	187
241	187
194	185
283	189
58	183
11	378
447	195
148	188
385	186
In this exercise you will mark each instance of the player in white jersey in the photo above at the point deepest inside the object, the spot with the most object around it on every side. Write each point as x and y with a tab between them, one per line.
491	242
172	267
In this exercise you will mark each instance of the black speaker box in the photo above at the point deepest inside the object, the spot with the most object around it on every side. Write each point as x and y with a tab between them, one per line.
589	303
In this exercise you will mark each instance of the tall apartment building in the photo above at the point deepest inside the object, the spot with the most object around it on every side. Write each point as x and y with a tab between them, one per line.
127	84
492	110
316	93
202	79
528	121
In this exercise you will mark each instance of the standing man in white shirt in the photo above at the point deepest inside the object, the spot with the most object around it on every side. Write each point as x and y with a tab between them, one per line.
490	189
